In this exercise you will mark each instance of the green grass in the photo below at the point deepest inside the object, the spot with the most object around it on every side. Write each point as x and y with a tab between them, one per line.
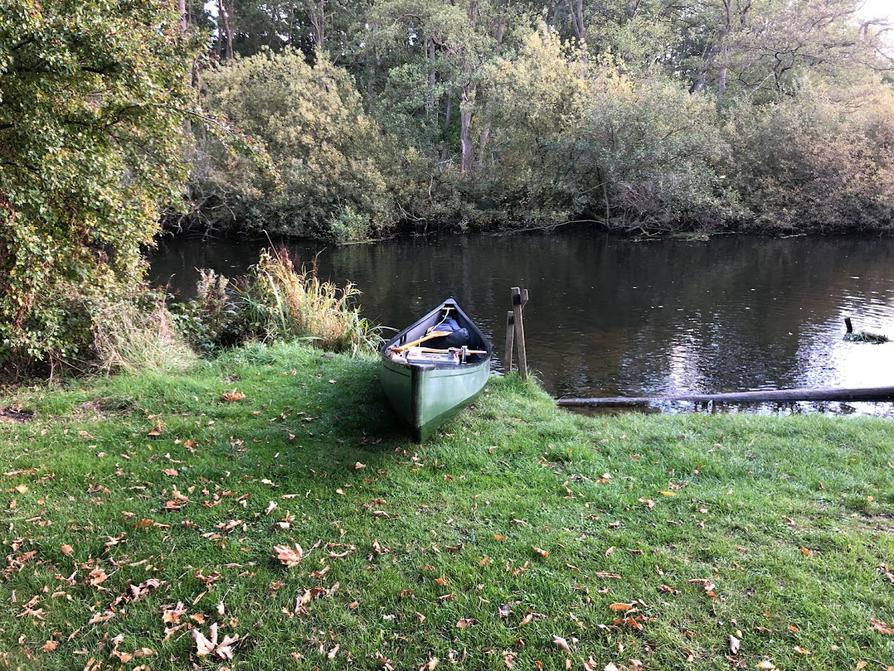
425	536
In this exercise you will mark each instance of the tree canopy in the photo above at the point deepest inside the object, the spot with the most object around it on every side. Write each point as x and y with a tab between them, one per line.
646	115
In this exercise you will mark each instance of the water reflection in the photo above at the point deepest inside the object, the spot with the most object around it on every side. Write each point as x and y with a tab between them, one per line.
610	316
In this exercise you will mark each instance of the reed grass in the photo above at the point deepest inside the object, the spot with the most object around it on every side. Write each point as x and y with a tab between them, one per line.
281	301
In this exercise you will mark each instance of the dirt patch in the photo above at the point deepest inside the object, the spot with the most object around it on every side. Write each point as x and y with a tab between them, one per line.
15	415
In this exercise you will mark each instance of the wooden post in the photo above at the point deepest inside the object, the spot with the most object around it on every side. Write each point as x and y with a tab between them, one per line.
510	341
519	298
848	325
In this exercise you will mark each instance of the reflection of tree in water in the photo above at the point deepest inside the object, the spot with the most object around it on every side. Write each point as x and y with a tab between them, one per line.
609	315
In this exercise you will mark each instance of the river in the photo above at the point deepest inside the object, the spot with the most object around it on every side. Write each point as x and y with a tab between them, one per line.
612	316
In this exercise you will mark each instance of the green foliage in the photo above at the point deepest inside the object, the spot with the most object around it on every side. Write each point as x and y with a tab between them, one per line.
823	160
579	136
93	97
323	150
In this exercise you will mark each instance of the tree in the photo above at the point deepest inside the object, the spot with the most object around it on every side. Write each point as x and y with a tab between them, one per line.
93	97
322	175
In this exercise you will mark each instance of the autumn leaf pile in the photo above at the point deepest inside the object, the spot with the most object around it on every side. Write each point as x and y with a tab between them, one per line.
265	512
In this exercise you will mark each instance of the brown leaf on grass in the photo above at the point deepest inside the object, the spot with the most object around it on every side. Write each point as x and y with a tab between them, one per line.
465	622
97	576
667	589
801	651
289	555
540	552
430	665
173	615
807	552
499	538
171	472
177	500
157	429
734	644
509	659
649	503
620	606
882	627
49	646
442	581
765	665
67	549
562	644
206	646
606	575
359	466
232	396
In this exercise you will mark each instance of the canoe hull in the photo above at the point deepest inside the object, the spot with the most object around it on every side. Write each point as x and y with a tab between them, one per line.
425	396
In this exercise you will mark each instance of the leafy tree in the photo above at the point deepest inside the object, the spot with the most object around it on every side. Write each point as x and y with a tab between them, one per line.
93	96
322	177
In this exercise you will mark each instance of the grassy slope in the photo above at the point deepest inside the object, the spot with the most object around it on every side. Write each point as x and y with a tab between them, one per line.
748	494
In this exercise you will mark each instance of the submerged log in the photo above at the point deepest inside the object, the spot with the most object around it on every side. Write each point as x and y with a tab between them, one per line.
878	394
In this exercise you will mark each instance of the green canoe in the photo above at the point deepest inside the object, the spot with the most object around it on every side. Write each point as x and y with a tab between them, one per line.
429	383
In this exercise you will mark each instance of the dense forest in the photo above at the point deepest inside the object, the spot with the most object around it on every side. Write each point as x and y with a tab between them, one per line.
640	115
356	120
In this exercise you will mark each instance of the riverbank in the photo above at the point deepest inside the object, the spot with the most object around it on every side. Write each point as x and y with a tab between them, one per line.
145	510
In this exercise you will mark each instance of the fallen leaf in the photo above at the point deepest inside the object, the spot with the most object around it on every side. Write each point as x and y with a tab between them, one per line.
232	396
171	472
499	538
97	576
359	466
801	651
49	646
211	646
562	643
620	606
765	665
807	552
464	622
540	551
882	627
288	555
734	644
67	549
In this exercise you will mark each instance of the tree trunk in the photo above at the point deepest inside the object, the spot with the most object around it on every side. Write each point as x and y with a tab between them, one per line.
317	15
227	28
580	28
467	103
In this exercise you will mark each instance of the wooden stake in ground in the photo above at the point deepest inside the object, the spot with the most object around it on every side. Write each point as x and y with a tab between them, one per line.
510	341
519	298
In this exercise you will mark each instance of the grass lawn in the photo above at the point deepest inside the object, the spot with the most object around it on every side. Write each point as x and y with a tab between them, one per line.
140	512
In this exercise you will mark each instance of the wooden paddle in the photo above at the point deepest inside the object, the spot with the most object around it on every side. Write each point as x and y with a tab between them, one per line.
441	351
430	336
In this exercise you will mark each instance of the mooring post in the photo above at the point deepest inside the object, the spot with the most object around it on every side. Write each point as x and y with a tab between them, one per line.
519	298
510	341
848	325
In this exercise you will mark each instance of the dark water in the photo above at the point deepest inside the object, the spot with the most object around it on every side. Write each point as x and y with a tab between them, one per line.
611	316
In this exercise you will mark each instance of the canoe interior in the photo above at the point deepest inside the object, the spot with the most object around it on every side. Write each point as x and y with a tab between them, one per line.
418	329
